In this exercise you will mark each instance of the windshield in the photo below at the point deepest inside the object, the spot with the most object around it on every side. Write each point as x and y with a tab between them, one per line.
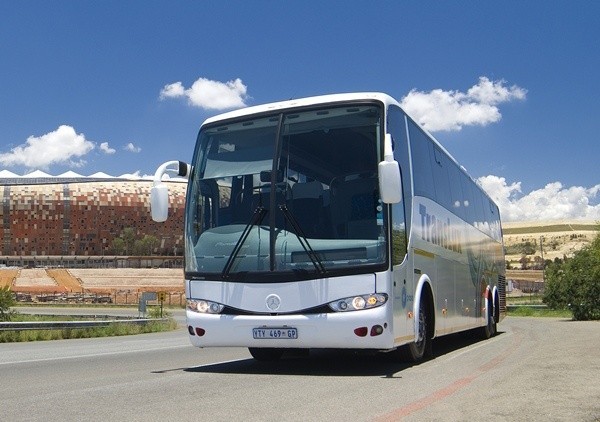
291	196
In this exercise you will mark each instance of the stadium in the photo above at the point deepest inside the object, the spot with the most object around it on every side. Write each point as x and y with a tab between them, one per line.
71	222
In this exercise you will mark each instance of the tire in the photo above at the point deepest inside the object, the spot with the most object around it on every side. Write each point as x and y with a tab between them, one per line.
265	354
422	347
490	327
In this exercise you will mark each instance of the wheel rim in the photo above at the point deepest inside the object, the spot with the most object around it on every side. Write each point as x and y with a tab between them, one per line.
421	335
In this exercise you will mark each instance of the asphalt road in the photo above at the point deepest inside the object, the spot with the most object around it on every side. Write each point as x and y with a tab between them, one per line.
535	369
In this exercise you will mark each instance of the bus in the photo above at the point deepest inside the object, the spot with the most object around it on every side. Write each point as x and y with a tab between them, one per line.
333	222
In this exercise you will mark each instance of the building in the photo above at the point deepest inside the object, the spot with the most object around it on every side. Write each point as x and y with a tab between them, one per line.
72	215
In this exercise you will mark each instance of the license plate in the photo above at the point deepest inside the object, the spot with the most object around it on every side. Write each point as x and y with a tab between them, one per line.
275	333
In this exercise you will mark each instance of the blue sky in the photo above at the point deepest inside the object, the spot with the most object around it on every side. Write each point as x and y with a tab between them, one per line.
510	88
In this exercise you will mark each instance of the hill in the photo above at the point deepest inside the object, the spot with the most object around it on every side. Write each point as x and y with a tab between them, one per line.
558	239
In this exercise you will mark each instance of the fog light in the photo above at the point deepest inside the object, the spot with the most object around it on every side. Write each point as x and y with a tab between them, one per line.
376	330
191	330
200	331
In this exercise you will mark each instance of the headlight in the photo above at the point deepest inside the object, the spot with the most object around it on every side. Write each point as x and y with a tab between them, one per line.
356	303
204	306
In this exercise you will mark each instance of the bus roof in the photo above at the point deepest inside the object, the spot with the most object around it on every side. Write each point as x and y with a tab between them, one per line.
325	99
302	102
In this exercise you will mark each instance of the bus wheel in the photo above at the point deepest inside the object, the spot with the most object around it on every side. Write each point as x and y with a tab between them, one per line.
265	354
490	327
422	347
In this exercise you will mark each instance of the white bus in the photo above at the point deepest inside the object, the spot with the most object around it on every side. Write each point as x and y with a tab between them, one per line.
333	222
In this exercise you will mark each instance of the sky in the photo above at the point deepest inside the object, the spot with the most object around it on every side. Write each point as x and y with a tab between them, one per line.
510	88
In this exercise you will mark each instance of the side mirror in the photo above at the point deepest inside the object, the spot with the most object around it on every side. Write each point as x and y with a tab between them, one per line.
159	194
159	202
390	184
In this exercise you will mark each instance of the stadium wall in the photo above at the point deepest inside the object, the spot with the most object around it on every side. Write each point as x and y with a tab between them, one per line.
82	217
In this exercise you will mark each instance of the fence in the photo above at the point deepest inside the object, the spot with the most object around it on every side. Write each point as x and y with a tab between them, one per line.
59	325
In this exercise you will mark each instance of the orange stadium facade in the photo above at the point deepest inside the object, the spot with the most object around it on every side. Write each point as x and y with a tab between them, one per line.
81	216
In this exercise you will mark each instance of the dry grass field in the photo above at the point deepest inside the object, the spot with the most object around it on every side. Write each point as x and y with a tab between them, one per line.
557	238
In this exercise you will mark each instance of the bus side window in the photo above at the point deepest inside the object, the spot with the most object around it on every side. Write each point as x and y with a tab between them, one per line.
401	211
456	192
422	169
440	164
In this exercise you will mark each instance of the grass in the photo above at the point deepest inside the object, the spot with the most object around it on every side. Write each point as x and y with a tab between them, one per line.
533	299
526	311
519	306
112	330
17	317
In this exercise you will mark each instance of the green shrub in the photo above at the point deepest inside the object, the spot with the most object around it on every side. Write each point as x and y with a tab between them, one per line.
6	301
157	312
575	283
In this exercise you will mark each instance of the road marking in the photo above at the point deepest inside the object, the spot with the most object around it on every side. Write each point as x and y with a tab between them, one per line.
92	355
452	388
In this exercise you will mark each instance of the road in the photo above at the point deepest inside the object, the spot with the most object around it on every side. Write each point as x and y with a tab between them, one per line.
535	369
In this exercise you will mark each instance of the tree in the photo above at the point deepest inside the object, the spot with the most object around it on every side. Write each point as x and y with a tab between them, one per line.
525	260
146	245
538	263
128	236
127	243
6	302
575	283
118	246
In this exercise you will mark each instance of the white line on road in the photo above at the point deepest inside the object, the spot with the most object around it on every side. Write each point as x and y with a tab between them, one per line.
91	355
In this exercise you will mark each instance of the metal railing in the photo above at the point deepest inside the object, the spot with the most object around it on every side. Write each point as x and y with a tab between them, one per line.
60	325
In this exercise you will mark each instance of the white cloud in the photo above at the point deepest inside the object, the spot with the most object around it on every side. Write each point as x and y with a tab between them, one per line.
440	110
209	95
132	148
106	149
62	146
172	91
134	175
552	202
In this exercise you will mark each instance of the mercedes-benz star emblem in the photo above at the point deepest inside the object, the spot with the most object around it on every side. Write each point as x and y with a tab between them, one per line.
273	302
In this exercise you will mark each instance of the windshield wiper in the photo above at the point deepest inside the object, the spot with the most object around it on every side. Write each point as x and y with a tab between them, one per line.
314	258
257	218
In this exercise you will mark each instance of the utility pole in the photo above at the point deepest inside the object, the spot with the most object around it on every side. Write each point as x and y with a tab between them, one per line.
543	261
